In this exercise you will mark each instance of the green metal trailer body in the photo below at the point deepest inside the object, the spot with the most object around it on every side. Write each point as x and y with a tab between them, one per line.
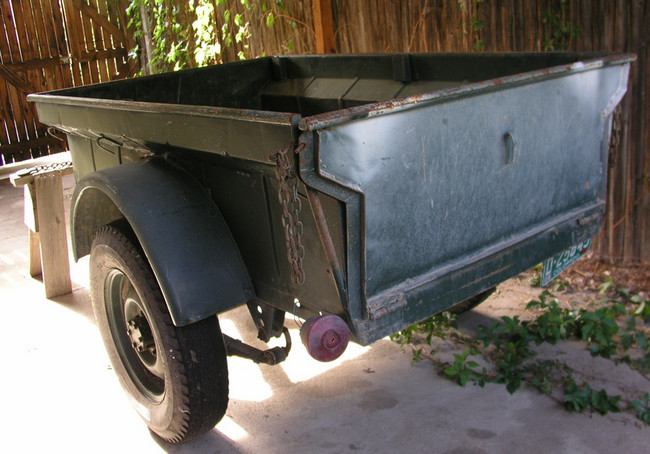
379	188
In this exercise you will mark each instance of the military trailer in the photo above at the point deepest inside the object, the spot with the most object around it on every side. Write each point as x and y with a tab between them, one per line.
359	193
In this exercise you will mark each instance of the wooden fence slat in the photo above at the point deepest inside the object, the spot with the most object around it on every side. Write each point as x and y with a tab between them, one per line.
43	18
25	31
324	27
10	28
107	66
23	147
7	112
5	53
644	136
8	133
18	116
89	43
125	67
110	10
92	13
40	79
74	31
12	105
64	73
44	44
16	80
22	31
6	126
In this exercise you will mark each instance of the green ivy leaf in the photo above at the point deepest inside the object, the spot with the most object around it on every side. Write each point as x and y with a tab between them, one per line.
626	341
270	20
451	371
514	384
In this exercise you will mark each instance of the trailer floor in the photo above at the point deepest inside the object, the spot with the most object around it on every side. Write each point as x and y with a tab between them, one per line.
59	391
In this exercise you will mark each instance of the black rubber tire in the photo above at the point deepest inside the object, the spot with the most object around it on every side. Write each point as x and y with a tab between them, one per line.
178	381
472	302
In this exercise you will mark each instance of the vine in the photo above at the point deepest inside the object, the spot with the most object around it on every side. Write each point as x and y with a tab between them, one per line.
618	330
164	44
476	25
177	35
559	31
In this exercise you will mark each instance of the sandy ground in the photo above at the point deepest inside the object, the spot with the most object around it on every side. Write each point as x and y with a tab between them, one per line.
60	393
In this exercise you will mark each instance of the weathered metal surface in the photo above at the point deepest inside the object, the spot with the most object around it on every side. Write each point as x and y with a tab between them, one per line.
457	177
484	166
447	176
156	127
326	239
182	233
415	95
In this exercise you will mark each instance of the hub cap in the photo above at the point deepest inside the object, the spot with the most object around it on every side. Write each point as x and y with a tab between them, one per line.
134	337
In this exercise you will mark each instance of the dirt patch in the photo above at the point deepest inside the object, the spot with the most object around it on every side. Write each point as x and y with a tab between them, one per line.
586	283
587	275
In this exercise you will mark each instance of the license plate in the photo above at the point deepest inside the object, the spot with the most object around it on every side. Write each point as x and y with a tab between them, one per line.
555	265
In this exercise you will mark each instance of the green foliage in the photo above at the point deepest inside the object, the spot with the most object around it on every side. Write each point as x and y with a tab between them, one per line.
178	35
578	398
554	323
507	346
642	408
440	325
476	25
168	40
462	370
599	329
207	48
545	375
559	31
634	310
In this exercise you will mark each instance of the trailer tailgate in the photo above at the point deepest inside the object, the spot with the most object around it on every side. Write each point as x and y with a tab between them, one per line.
449	179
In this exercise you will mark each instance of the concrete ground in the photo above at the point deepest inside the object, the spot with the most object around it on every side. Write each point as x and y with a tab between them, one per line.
59	392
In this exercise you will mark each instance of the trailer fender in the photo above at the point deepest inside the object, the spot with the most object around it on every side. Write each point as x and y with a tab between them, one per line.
184	236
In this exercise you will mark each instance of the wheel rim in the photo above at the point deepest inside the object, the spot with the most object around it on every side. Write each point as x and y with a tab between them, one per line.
134	338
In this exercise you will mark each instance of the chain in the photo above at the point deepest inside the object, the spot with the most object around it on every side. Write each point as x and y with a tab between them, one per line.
291	206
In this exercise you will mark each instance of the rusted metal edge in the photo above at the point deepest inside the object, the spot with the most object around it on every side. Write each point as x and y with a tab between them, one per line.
257	116
337	117
619	93
392	304
326	240
27	175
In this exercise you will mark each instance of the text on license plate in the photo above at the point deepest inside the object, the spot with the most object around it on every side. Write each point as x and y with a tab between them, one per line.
555	265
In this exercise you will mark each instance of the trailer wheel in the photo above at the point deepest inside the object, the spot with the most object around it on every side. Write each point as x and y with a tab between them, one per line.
472	302
175	377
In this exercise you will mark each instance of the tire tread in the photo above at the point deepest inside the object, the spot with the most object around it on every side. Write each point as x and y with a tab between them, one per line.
200	379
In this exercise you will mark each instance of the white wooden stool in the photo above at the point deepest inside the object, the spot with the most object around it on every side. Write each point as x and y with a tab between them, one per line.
45	218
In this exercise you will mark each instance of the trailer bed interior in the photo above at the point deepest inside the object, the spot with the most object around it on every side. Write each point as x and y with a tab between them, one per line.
310	86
